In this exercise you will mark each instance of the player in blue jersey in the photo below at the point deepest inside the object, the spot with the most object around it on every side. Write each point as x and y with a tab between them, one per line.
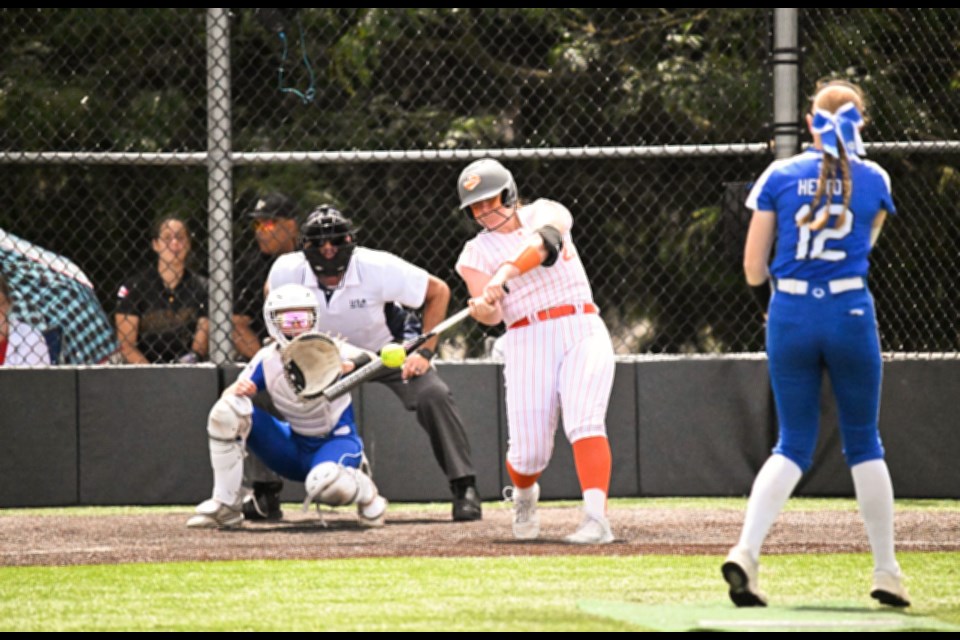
317	444
824	209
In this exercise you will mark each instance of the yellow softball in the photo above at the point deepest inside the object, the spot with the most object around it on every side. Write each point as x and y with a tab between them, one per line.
393	355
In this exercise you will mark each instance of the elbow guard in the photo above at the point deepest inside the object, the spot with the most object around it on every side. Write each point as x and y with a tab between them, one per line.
552	242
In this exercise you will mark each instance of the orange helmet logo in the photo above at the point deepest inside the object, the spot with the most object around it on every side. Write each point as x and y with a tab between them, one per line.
471	182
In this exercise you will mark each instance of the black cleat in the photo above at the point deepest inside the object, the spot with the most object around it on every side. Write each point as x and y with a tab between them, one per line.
888	589
740	572
264	503
466	505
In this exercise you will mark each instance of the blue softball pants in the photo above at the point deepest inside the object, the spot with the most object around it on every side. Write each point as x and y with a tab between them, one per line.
293	455
817	331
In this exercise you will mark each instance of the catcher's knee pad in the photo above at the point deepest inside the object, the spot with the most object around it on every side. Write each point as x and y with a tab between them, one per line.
332	484
230	418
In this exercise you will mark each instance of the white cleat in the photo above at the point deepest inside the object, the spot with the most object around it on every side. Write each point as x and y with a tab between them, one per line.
592	530
889	590
212	514
740	572
526	521
373	514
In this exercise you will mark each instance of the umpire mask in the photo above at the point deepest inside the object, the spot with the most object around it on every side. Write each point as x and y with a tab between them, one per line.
326	224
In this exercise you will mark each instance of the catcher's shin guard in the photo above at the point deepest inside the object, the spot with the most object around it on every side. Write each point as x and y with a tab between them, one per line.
229	420
335	486
331	484
226	458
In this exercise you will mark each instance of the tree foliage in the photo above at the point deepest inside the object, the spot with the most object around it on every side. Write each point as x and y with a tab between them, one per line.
656	242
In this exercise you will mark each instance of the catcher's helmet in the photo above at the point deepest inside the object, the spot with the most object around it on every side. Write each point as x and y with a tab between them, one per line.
290	297
327	224
484	179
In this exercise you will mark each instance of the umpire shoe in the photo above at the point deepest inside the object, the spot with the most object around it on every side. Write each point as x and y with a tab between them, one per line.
740	572
213	514
466	505
889	590
592	530
264	502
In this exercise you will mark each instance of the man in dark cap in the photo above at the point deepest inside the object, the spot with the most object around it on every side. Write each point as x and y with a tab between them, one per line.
274	218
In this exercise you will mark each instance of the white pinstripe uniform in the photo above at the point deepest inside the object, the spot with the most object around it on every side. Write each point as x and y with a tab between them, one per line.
554	365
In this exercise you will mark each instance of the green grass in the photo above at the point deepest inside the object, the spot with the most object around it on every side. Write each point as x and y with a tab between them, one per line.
736	504
457	594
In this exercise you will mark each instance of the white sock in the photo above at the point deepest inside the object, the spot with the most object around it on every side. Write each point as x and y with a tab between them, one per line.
871	480
595	503
771	490
524	493
227	461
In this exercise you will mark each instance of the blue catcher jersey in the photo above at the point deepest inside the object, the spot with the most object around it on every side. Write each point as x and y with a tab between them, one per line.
787	188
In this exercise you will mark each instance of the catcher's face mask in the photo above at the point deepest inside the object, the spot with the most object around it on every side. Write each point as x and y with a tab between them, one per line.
293	322
289	311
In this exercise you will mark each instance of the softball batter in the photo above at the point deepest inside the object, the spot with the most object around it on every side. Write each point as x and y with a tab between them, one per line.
824	208
557	352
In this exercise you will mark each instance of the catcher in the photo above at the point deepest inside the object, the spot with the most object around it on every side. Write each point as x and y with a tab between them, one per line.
317	445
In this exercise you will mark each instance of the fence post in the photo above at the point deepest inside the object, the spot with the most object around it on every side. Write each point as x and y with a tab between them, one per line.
219	185
786	77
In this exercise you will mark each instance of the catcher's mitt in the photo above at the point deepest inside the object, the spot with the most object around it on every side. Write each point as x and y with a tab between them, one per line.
311	361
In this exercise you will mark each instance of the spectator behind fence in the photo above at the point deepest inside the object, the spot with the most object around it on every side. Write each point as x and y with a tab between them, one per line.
20	344
274	219
161	313
51	294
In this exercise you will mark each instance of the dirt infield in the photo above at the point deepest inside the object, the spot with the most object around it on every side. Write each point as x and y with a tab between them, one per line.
72	540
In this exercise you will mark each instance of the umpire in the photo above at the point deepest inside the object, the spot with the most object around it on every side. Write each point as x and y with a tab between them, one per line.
359	291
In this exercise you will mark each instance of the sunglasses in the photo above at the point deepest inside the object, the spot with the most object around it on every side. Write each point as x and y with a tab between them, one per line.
264	224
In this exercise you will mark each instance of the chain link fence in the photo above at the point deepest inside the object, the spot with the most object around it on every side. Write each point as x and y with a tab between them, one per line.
646	123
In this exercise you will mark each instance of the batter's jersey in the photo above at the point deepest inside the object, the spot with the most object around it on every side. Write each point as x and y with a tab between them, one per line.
787	188
311	418
563	283
356	311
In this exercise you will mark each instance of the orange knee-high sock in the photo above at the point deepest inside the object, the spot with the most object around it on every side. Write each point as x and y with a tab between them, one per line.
593	460
519	480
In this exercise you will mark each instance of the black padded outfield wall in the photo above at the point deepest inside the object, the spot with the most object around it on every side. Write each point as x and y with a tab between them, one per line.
142	434
137	435
704	426
38	420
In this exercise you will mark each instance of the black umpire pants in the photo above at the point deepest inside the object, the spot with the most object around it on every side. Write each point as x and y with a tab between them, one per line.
437	413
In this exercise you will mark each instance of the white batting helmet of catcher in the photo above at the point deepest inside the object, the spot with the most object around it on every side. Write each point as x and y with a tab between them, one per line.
485	179
289	311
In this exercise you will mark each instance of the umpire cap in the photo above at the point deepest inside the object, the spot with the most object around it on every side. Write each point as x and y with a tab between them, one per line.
273	205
